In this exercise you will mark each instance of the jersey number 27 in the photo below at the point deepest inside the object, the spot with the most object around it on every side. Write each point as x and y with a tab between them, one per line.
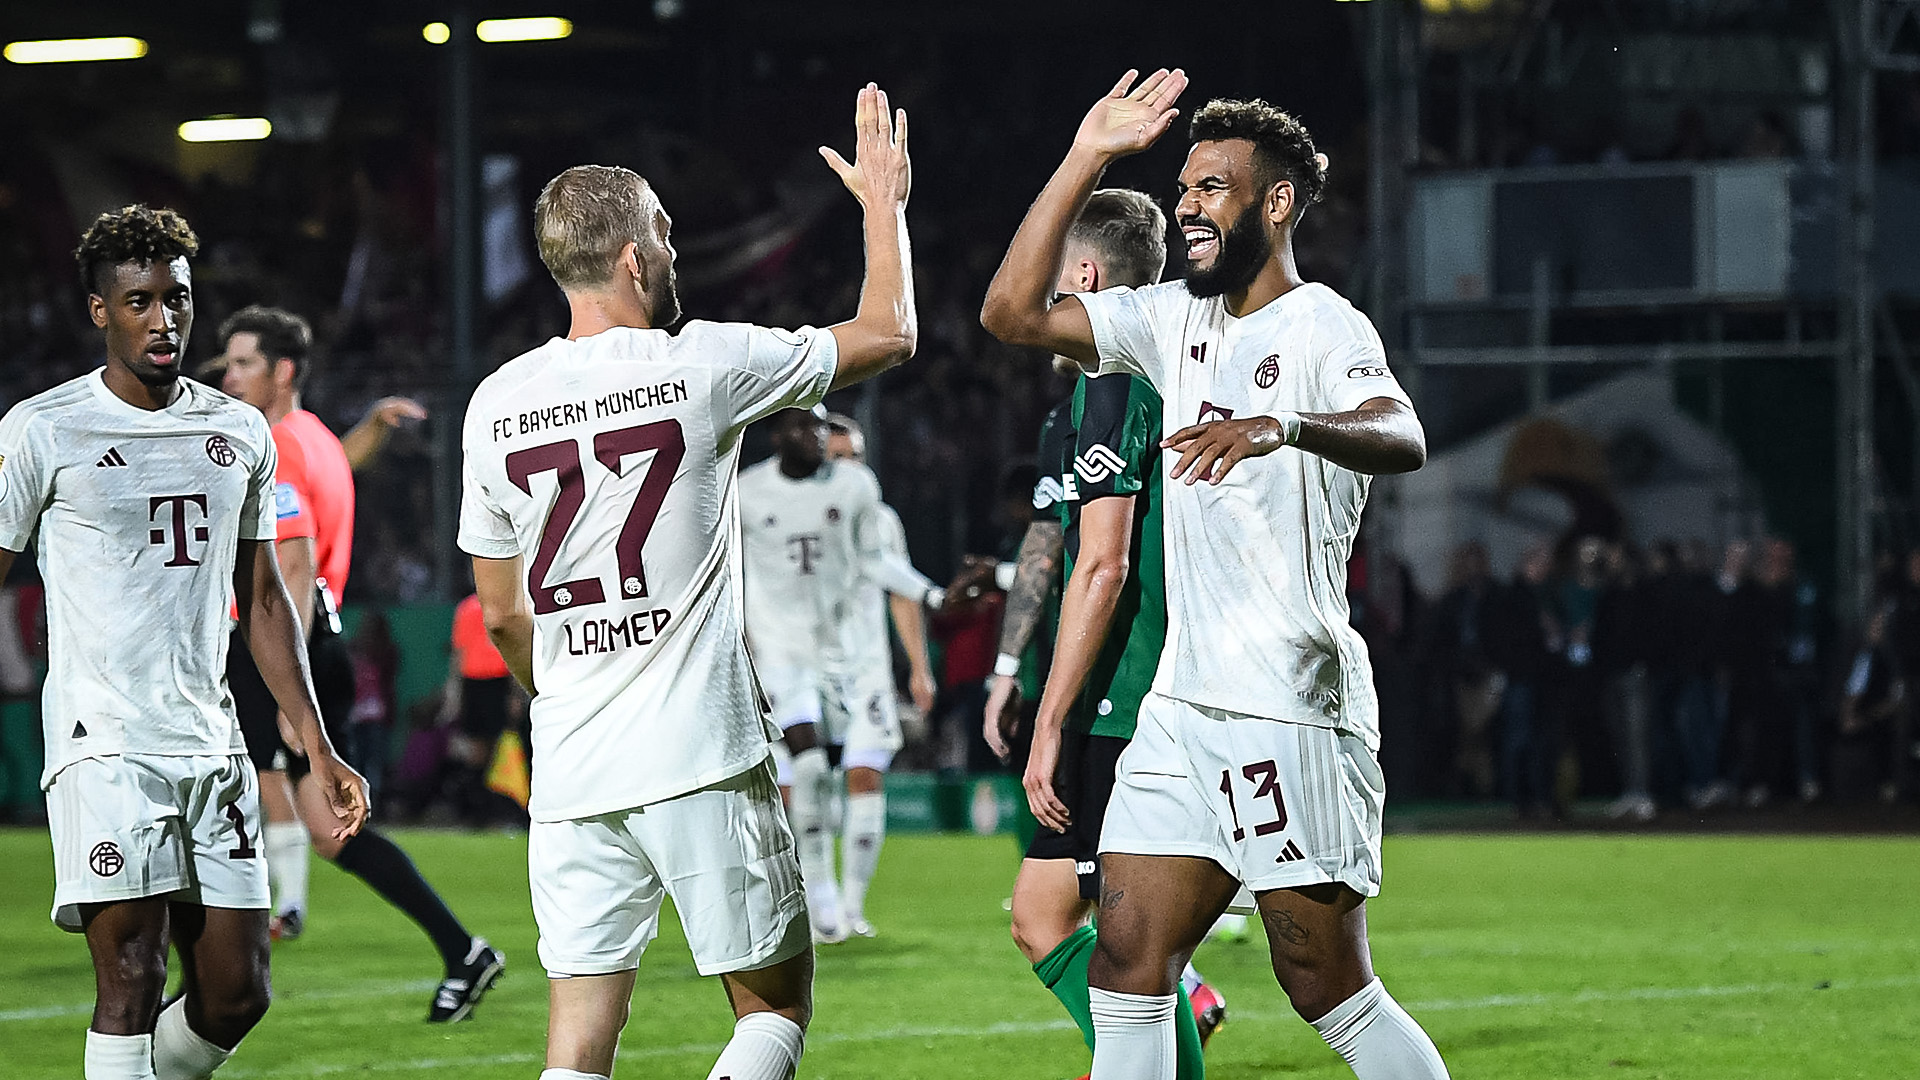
610	449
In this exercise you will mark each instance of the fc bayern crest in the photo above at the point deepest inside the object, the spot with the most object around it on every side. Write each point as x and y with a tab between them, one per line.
1268	372
105	858
220	451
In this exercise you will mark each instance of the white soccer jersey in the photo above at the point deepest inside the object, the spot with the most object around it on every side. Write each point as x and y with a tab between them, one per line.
608	464
139	516
869	645
1257	566
807	544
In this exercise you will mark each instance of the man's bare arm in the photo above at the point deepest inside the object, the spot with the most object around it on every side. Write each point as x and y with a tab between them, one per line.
507	613
1381	437
1036	571
1019	307
297	558
1086	607
911	623
369	436
885	331
277	641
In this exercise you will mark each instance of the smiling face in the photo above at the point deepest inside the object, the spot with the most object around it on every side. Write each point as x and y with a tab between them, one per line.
146	309
1229	222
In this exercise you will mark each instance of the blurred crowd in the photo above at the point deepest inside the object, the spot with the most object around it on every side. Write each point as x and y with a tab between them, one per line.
1672	676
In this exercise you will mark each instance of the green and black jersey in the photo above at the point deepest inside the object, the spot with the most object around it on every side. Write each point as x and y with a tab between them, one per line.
1112	447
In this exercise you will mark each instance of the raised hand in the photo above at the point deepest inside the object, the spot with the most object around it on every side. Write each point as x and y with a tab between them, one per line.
1128	121
391	411
881	174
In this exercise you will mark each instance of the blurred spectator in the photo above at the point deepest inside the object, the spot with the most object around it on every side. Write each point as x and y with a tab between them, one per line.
1795	618
1522	636
376	665
1471	684
1690	139
1623	633
1872	734
22	670
1575	701
1767	137
968	629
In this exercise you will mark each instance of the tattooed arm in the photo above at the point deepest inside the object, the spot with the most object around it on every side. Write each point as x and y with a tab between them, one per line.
1037	574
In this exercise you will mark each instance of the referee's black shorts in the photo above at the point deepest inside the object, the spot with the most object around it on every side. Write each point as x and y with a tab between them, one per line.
253	703
1084	782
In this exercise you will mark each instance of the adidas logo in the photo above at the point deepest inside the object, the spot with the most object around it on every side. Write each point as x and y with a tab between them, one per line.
1290	853
111	459
1097	464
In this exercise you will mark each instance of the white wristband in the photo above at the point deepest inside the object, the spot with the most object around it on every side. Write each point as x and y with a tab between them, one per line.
1006	664
1003	575
1289	427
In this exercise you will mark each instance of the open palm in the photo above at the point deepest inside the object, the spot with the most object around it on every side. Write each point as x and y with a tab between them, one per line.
1128	121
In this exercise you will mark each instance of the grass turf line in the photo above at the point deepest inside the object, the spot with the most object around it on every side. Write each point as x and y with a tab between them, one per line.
1526	957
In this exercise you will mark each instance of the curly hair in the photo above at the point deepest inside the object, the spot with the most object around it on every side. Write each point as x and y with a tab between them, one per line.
1282	149
135	233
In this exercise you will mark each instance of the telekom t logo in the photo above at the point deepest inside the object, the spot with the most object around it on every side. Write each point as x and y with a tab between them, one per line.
804	548
174	528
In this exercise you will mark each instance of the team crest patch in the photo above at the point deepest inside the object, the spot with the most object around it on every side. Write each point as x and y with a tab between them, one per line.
220	451
105	859
1267	373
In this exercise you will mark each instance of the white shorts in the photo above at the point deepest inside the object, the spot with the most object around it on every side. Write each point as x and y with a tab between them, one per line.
1278	805
863	719
130	826
723	853
793	693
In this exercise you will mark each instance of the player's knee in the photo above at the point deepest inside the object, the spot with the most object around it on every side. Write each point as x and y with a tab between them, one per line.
1033	937
1315	988
131	986
1127	966
865	781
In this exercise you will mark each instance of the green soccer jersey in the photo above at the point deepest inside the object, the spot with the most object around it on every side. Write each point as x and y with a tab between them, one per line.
1113	448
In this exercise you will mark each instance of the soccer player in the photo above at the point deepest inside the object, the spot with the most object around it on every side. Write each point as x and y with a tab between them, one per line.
266	354
152	496
1254	759
814	546
1103	449
600	507
868	729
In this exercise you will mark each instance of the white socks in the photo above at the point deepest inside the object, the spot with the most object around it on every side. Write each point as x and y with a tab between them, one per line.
1378	1039
179	1053
119	1057
287	846
1133	1035
765	1046
808	809
569	1074
860	851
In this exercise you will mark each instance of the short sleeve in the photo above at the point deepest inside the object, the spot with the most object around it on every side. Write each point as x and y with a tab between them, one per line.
1353	370
292	506
257	517
780	369
1118	437
1126	331
26	480
486	530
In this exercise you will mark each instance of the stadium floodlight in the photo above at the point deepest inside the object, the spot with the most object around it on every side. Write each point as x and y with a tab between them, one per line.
226	129
545	28
75	50
436	33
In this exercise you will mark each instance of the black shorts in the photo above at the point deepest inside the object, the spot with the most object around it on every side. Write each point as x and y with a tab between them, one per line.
258	713
1084	782
483	707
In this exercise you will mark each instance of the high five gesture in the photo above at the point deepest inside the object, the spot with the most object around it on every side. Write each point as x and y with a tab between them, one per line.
881	174
1128	121
884	332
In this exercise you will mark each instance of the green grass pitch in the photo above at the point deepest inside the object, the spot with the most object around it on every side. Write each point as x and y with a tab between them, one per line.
1530	957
